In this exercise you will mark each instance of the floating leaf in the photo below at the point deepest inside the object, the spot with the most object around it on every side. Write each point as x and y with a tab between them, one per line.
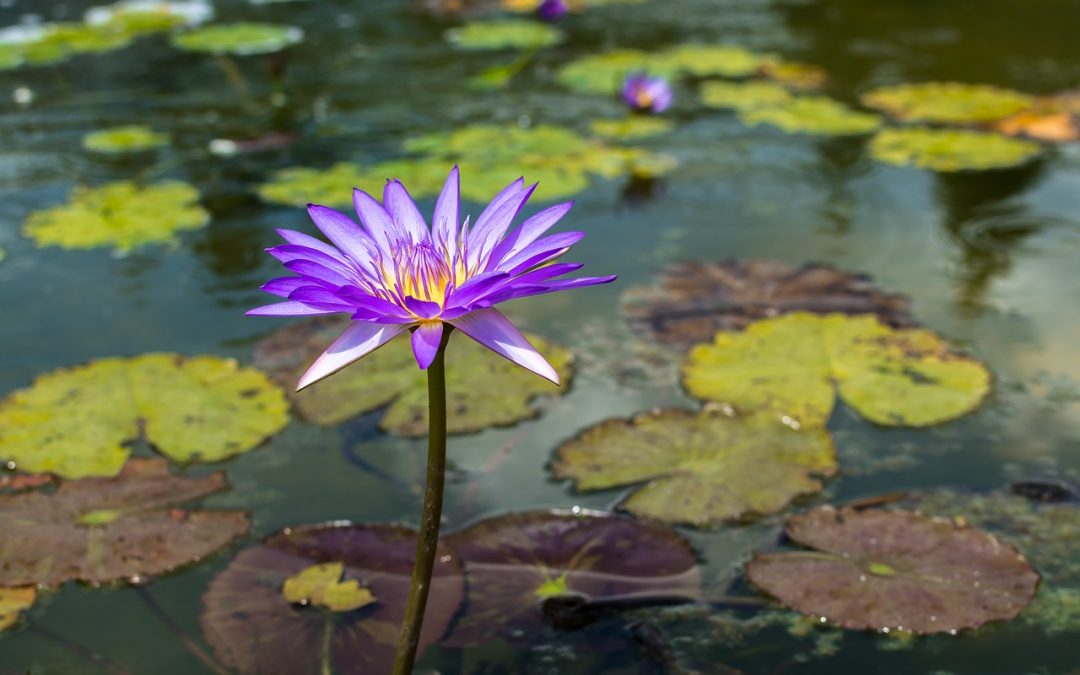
483	389
151	16
118	140
692	301
813	115
701	469
321	585
239	38
101	530
516	562
950	150
254	628
604	73
794	366
797	75
895	570
744	95
631	128
947	102
122	214
13	601
709	60
78	421
505	34
1042	123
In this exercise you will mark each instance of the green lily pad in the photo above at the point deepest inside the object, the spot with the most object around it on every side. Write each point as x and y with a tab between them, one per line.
119	140
101	530
573	5
895	570
14	601
241	39
122	214
813	115
947	102
604	73
795	366
150	16
79	421
744	95
505	34
631	128
483	389
950	150
322	586
792	74
710	60
700	469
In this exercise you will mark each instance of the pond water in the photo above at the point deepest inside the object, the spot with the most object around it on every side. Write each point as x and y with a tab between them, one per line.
989	259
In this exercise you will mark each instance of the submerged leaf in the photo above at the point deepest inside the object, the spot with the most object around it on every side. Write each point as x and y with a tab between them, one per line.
505	34
950	150
744	95
118	140
13	601
947	102
813	115
239	38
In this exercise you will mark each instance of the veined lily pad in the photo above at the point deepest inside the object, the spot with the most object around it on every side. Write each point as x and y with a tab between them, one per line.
516	562
505	34
239	38
744	95
710	60
950	150
123	215
813	115
631	128
77	422
118	140
895	570
13	601
701	469
947	102
692	301
102	530
483	389
255	627
794	366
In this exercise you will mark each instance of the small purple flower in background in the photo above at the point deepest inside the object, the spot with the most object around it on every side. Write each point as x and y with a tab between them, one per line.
396	273
552	10
646	94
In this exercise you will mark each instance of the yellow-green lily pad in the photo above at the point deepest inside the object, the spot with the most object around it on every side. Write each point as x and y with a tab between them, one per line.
505	34
801	76
700	469
241	39
321	585
950	149
123	214
604	73
631	128
744	95
813	115
483	389
150	16
947	102
710	60
573	5
79	421
794	366
119	140
14	601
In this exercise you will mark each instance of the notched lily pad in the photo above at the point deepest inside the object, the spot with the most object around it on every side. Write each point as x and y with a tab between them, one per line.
505	34
947	102
794	367
14	601
950	150
101	530
700	469
517	562
254	627
79	421
813	115
895	570
122	214
119	140
744	95
691	301
483	389
241	39
631	128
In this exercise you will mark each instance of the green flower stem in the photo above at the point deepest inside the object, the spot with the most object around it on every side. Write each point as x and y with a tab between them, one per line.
428	540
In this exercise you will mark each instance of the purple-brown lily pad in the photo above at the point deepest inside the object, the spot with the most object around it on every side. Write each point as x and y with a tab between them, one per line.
516	563
895	570
101	530
691	301
253	626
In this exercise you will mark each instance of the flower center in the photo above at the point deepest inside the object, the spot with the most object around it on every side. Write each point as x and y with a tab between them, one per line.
423	271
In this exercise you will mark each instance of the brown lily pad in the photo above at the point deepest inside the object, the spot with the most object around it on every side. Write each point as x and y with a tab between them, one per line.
895	570
101	530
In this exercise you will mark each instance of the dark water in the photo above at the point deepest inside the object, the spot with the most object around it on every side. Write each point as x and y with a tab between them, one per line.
991	260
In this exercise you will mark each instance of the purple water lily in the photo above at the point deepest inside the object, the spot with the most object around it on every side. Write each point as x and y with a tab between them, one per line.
395	273
646	94
552	10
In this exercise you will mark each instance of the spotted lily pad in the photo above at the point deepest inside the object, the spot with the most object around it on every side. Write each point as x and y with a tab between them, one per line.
950	150
701	469
516	562
13	601
119	140
483	389
505	34
813	115
631	128
744	95
78	421
239	38
101	530
947	102
895	570
254	627
692	301
795	366
122	214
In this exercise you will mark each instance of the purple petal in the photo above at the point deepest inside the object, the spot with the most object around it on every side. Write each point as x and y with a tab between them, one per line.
515	292
402	209
422	308
445	221
493	330
320	298
290	308
317	272
359	339
343	233
486	234
290	252
542	251
476	287
282	286
425	342
372	304
300	239
528	232
378	222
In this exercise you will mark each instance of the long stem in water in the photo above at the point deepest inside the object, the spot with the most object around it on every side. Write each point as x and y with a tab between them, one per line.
428	540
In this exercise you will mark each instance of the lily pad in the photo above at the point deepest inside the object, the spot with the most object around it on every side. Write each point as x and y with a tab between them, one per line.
79	421
794	367
516	562
692	301
505	34
241	39
604	73
710	61
101	530
122	214
254	627
13	601
895	570
950	150
813	115
483	389
792	74
947	102
1046	122
631	128
151	16
744	95
701	469
119	140
55	42
322	586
